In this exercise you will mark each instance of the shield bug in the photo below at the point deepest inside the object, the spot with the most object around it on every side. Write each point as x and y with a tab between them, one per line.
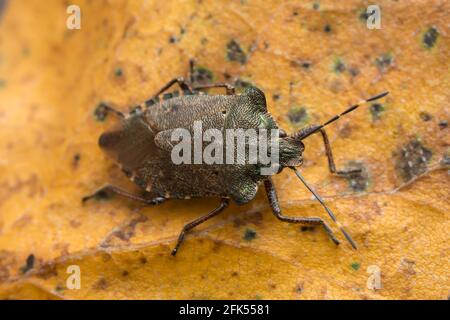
143	147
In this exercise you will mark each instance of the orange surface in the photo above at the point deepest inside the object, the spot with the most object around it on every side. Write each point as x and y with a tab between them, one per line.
52	79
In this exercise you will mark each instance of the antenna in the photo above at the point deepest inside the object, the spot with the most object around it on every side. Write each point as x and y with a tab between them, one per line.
330	213
302	134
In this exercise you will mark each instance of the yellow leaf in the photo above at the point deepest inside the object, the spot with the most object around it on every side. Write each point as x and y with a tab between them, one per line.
312	60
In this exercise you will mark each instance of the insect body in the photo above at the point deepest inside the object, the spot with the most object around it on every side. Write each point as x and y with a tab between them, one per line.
142	145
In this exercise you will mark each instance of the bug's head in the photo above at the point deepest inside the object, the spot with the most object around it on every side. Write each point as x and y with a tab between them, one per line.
291	150
292	147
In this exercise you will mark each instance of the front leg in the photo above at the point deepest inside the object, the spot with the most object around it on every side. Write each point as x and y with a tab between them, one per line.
305	132
331	164
275	205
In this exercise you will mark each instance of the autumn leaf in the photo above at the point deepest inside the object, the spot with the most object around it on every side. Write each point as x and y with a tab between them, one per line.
312	59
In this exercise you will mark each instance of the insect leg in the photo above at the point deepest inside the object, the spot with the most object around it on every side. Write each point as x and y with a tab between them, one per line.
230	89
184	85
331	164
107	189
275	205
103	109
191	70
198	221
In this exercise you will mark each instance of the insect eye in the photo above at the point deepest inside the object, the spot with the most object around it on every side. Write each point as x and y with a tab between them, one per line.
224	111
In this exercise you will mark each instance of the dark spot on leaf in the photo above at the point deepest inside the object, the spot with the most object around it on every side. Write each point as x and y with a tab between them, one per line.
316	5
338	66
299	288
430	37
412	160
305	64
76	160
234	274
353	71
235	52
249	234
376	109
298	115
355	266
125	273
59	288
384	61
307	228
202	75
446	159
172	39
359	179
363	16
2	83
74	223
25	51
143	260
47	270
29	264
327	28
101	284
118	72
276	97
443	124
425	116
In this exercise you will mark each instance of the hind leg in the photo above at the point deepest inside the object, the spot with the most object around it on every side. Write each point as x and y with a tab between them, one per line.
184	85
230	90
104	191
104	109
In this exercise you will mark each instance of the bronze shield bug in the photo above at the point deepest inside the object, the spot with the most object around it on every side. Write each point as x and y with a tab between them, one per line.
143	144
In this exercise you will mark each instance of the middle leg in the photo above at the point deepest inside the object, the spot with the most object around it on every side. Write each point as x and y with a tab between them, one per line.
329	153
198	221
